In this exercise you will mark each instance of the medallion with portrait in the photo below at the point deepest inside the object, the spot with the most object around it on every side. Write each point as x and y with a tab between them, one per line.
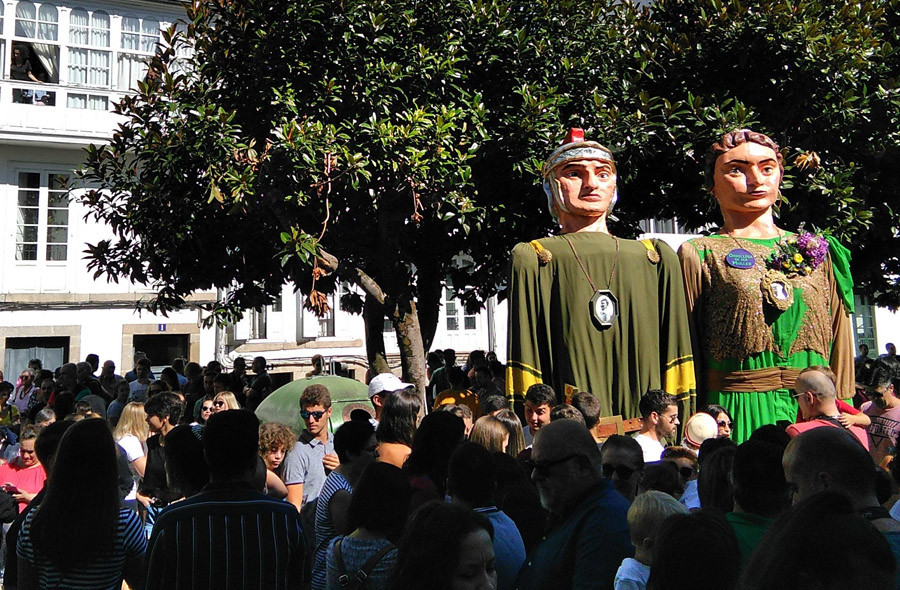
604	308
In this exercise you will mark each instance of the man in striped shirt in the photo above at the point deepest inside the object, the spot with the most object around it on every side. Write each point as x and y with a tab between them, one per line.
230	535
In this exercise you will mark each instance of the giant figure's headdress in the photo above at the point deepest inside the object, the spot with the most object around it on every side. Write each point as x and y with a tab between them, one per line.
573	148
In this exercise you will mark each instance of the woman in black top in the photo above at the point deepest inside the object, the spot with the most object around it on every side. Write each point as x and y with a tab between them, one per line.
163	411
20	69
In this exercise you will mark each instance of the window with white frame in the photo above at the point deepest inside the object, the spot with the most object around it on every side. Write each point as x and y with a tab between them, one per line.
37	28
93	102
90	59
326	322
258	323
140	36
457	318
42	217
864	322
37	21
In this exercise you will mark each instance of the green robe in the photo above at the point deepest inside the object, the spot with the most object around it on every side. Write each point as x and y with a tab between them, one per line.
734	331
553	340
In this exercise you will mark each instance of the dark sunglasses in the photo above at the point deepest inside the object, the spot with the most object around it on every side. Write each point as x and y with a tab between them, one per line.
317	415
218	403
686	472
621	470
724	423
543	467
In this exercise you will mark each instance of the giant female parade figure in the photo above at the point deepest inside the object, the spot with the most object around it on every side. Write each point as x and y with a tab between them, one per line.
765	303
590	311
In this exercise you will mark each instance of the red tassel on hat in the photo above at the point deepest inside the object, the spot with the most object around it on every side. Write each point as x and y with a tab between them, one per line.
575	135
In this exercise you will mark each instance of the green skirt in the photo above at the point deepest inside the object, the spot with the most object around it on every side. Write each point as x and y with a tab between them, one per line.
751	409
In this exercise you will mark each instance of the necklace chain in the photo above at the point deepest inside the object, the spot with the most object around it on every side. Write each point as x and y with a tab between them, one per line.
584	270
734	238
730	234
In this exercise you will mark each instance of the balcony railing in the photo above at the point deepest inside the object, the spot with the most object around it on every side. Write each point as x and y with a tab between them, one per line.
56	113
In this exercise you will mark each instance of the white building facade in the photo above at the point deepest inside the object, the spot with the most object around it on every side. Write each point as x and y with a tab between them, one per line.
81	58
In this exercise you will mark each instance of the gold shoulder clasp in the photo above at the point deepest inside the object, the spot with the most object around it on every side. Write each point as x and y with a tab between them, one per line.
544	256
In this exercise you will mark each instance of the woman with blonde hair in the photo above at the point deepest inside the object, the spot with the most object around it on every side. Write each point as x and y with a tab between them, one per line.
490	433
516	436
131	434
275	441
225	401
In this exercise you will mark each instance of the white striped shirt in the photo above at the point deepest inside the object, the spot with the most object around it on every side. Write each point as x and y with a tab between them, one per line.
104	572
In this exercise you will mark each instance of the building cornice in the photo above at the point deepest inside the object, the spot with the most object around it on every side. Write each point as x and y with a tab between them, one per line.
62	301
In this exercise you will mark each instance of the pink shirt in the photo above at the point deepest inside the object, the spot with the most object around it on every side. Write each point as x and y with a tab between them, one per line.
860	433
29	480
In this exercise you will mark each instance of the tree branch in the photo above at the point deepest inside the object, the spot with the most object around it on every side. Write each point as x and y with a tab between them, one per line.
330	263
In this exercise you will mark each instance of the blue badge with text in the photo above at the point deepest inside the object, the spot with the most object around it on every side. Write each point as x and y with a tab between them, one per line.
740	258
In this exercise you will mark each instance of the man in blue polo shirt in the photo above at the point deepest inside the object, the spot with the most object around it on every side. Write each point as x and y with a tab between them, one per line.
313	457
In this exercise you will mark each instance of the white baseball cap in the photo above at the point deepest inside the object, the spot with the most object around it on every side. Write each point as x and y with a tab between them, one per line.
386	382
700	427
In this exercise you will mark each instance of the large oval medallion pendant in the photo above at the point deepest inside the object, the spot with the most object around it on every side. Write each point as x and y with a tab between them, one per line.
777	290
604	308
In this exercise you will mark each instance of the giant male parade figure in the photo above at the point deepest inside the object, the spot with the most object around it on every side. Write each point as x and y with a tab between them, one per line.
765	303
590	311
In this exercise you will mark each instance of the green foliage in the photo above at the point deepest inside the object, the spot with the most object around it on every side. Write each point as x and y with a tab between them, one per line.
405	137
820	77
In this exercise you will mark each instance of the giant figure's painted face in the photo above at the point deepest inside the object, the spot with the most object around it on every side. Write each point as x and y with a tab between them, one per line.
587	187
746	179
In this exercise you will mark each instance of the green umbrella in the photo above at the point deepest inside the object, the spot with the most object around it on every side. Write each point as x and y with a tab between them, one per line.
283	404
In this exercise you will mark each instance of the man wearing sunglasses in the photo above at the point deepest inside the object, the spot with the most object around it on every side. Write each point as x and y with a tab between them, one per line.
622	460
313	457
588	536
659	421
817	398
884	411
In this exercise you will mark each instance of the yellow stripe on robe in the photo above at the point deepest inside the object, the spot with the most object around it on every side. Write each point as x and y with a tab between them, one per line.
519	377
678	377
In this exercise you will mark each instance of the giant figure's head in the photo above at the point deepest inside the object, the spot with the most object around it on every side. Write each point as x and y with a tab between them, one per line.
743	171
580	178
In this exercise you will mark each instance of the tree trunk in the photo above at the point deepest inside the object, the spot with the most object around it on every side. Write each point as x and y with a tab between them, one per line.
409	339
373	313
404	318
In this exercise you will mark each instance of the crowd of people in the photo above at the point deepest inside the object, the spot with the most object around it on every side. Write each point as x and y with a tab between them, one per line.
142	417
174	483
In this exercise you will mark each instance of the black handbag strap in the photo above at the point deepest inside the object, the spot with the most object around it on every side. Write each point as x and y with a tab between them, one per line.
362	575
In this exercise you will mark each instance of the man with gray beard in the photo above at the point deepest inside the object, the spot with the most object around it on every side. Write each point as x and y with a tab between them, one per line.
588	534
